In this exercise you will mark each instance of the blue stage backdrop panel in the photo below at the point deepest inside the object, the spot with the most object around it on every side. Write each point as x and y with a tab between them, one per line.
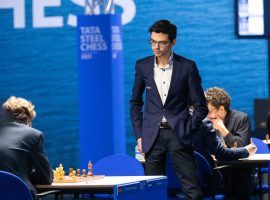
101	87
40	64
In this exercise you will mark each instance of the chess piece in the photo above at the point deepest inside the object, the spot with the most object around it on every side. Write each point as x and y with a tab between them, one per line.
235	144
90	168
62	172
84	173
55	174
59	172
70	172
78	172
73	173
60	167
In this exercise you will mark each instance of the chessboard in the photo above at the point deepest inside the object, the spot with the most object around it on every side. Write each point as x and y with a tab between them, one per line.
77	179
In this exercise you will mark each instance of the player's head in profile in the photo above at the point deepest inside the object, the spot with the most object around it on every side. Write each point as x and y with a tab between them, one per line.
19	110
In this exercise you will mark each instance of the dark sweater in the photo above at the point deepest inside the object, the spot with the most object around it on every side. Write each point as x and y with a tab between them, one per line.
238	125
206	142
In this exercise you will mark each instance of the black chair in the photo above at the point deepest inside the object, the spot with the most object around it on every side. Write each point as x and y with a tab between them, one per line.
13	188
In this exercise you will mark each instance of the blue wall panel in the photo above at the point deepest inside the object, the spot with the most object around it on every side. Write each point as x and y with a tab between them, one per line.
101	93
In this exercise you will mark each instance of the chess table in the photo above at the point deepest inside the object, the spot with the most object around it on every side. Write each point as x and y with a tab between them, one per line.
119	187
256	161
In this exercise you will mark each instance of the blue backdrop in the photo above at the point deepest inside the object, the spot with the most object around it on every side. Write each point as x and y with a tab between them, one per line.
40	63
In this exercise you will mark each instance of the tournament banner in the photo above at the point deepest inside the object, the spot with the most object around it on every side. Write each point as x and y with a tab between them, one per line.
101	87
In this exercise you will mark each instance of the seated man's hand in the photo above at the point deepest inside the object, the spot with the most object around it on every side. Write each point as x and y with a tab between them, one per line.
219	125
251	149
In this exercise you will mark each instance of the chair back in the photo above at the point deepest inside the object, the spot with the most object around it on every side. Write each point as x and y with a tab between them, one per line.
204	171
118	165
13	188
261	146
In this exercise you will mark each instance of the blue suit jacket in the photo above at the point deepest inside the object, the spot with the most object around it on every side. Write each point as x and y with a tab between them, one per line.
185	88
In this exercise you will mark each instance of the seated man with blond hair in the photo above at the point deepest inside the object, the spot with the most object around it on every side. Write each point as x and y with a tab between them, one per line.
21	147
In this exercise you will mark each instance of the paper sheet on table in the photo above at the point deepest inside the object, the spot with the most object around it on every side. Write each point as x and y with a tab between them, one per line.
258	157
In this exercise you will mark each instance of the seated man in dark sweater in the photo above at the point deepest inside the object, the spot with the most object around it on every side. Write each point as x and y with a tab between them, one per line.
207	143
233	128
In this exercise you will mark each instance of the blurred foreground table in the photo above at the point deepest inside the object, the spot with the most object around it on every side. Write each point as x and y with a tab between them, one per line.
120	187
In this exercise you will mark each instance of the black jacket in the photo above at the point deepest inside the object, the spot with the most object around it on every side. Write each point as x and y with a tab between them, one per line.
22	153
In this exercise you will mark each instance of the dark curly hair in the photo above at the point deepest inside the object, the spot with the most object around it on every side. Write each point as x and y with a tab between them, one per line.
218	97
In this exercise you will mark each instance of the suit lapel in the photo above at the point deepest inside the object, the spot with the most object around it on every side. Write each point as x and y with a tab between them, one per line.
150	75
175	72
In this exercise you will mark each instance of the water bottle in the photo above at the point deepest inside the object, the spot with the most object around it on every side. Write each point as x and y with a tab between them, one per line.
138	155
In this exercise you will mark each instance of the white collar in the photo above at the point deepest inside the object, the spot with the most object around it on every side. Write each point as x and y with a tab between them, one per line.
170	62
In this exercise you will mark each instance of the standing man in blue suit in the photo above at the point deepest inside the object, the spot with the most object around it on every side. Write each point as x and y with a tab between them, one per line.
171	82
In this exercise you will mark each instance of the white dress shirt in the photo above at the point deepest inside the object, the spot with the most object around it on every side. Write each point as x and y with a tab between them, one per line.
162	77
